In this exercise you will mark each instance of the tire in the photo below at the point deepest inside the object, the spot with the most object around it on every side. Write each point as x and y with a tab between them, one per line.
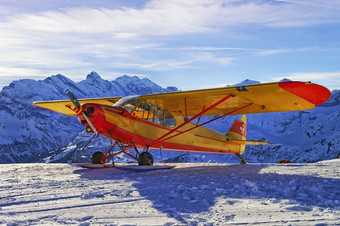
96	158
145	159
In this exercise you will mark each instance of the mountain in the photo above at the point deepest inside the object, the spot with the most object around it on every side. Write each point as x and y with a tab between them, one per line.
31	134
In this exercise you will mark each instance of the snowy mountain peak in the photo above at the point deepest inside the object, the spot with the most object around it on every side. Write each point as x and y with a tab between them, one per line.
133	85
59	79
247	82
172	89
93	76
125	80
285	80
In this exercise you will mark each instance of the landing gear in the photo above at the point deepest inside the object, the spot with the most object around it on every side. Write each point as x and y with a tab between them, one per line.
97	158
243	161
145	159
88	142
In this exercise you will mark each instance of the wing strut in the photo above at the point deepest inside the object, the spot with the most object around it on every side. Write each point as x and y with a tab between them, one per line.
187	121
167	137
221	116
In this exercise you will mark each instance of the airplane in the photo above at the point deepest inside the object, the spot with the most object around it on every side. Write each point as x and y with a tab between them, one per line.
172	121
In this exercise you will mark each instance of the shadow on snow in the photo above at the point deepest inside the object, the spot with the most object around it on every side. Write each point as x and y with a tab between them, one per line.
196	189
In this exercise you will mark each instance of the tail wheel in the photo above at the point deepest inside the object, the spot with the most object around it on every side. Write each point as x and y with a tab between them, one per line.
145	159
96	158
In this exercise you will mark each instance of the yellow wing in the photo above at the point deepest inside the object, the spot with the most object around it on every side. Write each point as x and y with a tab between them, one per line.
65	106
261	98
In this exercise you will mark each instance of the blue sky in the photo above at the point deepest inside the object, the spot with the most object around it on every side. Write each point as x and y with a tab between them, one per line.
190	44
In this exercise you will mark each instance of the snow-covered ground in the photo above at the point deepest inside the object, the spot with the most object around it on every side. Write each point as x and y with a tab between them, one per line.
203	194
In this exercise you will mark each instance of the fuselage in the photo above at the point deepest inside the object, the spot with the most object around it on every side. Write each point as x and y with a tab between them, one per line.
139	128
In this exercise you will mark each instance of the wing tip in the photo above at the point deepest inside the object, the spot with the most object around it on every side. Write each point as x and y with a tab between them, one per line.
314	93
41	105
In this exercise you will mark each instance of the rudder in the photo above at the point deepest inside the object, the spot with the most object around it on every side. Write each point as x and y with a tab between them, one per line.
238	131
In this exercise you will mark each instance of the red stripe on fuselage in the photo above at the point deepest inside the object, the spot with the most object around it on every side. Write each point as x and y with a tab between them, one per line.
142	141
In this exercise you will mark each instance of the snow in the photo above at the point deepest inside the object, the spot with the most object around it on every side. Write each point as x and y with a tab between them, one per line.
191	193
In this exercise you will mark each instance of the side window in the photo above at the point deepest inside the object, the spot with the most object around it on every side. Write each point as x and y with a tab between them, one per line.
153	114
169	121
157	115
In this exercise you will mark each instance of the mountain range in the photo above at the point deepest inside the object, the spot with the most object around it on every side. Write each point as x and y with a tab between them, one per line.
32	134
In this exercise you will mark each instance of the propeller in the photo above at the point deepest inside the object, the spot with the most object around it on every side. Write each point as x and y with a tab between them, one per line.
77	105
73	98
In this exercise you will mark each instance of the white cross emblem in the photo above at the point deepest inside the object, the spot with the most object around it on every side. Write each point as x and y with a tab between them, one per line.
242	128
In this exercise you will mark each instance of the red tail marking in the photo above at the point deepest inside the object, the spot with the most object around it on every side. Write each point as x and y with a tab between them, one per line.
239	128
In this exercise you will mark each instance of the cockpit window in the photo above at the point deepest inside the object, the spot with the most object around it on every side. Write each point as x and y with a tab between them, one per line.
128	103
146	111
169	120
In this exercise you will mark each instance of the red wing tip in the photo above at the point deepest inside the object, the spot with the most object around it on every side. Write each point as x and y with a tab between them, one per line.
314	93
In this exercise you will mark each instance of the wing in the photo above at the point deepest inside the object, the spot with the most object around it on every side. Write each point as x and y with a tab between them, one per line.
259	98
65	106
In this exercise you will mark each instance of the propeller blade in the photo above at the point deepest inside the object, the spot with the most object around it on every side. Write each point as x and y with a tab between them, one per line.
72	98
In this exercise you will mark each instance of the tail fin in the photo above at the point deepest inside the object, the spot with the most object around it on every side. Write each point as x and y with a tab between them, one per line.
238	135
238	132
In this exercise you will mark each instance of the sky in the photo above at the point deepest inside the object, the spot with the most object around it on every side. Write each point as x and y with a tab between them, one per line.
189	44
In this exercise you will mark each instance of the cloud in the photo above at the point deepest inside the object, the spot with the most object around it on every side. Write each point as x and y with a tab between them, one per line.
155	19
71	39
328	79
205	48
183	62
268	52
315	3
246	51
164	17
8	74
12	72
315	76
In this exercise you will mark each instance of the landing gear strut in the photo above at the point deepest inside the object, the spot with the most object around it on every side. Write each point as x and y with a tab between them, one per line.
243	161
144	159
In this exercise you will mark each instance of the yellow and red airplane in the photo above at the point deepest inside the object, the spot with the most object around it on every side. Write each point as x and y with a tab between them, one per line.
166	120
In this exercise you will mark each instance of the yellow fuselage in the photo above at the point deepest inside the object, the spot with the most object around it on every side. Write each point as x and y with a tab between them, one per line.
118	124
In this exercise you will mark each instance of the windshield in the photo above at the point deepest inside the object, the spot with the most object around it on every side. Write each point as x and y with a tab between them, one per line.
127	102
